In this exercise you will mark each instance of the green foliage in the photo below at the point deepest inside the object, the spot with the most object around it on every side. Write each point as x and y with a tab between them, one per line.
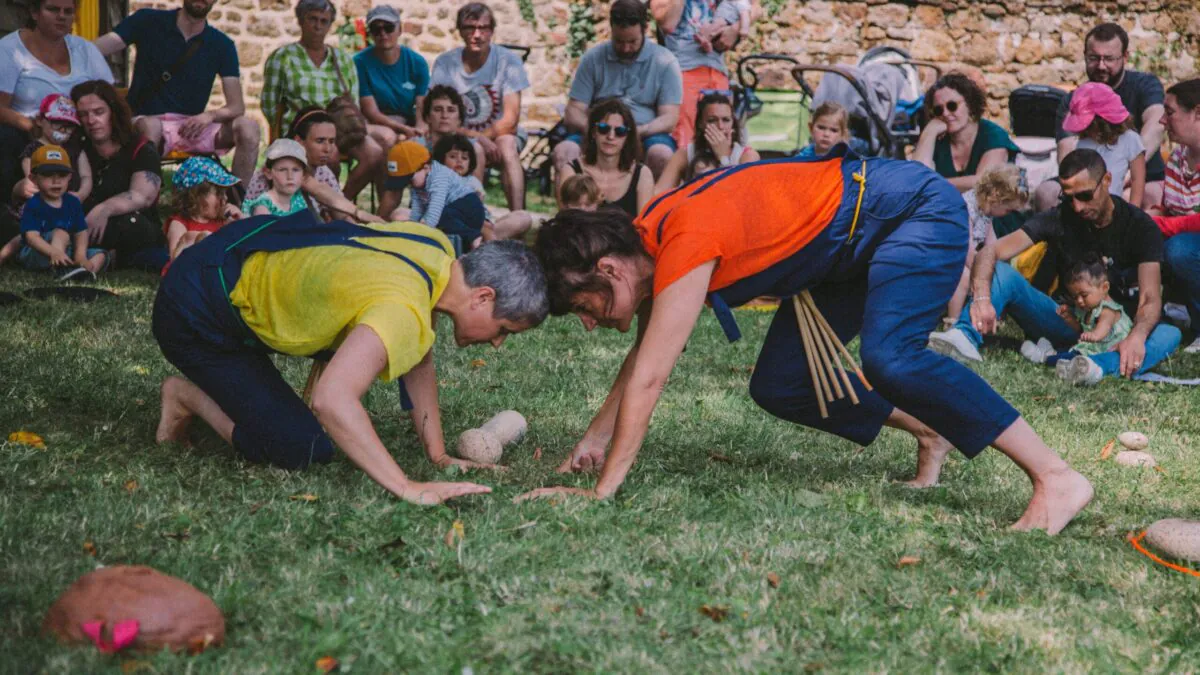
580	29
1156	59
526	9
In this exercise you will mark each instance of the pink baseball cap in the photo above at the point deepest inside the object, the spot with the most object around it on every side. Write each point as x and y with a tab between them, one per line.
1090	100
58	108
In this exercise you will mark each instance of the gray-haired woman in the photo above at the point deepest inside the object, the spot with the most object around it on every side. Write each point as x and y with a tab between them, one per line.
310	72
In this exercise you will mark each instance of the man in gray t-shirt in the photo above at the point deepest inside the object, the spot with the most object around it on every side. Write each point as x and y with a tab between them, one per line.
490	79
643	75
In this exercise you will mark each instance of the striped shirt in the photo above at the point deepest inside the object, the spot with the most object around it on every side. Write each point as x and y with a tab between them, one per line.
442	186
291	79
1181	191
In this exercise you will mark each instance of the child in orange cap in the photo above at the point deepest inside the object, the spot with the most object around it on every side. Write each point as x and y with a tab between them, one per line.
53	227
440	197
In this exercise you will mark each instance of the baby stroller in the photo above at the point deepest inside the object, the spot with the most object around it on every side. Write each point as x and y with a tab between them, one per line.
1032	110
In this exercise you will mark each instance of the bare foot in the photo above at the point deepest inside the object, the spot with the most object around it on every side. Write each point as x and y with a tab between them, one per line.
175	418
932	450
1057	499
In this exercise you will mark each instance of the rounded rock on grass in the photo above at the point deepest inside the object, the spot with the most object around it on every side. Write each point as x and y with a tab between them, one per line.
1133	440
1175	538
477	445
1135	458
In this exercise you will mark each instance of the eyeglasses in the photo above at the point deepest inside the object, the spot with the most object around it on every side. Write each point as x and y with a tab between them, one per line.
1095	59
1084	197
468	31
381	27
951	107
603	128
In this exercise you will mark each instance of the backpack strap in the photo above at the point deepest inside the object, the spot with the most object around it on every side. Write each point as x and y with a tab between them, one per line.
169	73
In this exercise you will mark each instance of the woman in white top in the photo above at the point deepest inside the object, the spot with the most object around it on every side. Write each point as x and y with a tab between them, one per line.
39	60
715	144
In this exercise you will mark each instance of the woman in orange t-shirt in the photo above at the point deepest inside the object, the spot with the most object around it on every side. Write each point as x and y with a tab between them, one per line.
779	227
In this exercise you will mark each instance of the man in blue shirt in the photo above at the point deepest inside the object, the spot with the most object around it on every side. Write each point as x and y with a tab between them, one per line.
179	56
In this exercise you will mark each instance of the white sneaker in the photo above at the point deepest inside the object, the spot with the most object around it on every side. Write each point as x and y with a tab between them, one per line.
1037	353
1193	348
1079	371
1177	314
955	344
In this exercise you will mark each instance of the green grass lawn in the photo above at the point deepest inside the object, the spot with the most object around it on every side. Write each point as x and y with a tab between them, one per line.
724	500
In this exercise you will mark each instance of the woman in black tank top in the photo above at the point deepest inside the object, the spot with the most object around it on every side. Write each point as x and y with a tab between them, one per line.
610	154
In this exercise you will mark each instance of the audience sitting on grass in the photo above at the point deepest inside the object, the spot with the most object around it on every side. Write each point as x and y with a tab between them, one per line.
392	79
53	227
458	154
1089	220
957	142
610	156
56	124
201	203
284	171
642	74
440	197
490	79
715	144
179	55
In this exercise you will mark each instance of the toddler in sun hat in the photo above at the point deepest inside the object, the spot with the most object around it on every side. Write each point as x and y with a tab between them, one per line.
58	124
287	162
1103	124
201	203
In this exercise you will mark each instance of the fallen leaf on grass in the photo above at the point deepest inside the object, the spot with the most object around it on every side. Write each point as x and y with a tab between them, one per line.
455	534
133	666
27	438
1045	398
640	611
89	548
182	535
718	457
326	664
1160	469
131	485
304	498
199	644
537	454
141	370
717	613
908	560
772	580
1108	449
478	363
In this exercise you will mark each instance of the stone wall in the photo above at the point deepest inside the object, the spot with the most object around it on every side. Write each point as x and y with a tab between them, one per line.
1004	44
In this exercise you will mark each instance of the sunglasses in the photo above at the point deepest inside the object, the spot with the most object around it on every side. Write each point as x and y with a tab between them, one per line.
951	107
603	128
1084	197
727	93
379	28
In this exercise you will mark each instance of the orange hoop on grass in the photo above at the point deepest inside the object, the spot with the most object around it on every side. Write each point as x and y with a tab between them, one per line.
1137	544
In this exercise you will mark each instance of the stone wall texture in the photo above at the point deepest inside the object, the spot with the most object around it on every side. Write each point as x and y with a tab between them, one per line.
1003	44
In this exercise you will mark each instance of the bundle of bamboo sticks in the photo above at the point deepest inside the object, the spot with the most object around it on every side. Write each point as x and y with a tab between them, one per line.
825	352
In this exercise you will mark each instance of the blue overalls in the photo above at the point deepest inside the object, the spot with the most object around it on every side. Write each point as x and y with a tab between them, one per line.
202	334
889	283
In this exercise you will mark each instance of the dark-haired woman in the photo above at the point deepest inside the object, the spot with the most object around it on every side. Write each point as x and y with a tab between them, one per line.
610	156
126	178
41	59
880	244
313	128
714	144
957	142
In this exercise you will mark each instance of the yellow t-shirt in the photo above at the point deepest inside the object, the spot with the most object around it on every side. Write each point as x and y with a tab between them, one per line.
307	300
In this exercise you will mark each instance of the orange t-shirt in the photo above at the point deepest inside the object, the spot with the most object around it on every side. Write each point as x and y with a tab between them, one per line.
747	219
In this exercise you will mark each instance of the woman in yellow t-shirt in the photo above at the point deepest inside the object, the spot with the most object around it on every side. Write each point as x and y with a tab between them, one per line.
363	299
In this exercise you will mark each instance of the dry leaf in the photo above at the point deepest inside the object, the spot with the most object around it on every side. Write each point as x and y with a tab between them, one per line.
200	644
326	664
455	534
773	580
640	611
907	560
537	454
478	363
1045	398
89	548
1108	449
27	438
715	612
304	498
131	485
141	370
718	457
1160	469
133	666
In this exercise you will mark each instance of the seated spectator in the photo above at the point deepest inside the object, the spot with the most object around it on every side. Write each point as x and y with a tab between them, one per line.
56	124
490	79
127	176
610	157
1105	51
284	171
828	126
580	191
444	114
1090	220
311	73
313	128
201	203
440	197
179	55
458	154
41	59
715	144
1181	194
701	60
642	74
957	142
52	224
392	79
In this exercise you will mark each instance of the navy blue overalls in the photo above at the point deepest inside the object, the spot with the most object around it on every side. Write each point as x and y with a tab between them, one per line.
889	283
202	334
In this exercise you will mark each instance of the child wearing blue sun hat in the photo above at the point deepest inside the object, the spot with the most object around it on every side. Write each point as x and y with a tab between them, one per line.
201	203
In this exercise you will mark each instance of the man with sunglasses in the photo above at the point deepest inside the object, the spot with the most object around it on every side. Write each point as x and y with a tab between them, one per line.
1088	220
179	54
392	79
490	79
644	75
1105	51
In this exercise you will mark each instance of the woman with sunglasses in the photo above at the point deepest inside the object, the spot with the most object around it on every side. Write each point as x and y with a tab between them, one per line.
611	151
715	143
392	79
957	142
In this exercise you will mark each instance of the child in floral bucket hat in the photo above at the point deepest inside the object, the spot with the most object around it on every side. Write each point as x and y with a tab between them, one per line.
201	203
